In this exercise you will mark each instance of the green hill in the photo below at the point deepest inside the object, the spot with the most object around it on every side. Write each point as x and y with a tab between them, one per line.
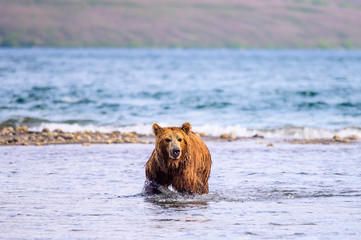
181	23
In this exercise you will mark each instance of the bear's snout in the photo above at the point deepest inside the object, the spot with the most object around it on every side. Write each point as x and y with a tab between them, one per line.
175	153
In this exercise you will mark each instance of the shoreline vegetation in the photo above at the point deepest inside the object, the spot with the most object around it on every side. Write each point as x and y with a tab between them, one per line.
22	136
273	24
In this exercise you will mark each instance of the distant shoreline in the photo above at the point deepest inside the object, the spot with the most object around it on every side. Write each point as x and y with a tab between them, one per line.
335	48
300	24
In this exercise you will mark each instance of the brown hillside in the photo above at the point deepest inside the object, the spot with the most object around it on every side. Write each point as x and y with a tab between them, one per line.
182	23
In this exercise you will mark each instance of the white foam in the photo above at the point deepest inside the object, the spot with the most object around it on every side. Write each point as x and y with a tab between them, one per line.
142	128
285	132
70	99
214	130
73	127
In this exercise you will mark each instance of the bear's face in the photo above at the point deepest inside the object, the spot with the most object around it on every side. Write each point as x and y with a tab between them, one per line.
172	142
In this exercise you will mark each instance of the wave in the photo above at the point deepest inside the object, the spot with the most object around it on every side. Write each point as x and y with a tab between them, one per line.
141	129
214	130
283	132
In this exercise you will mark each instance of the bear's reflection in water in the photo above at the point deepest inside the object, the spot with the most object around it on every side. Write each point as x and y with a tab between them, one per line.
175	208
167	198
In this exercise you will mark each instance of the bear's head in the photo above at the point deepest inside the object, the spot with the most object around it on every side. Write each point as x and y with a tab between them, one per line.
172	143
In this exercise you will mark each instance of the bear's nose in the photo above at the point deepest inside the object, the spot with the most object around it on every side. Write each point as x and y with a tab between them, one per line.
176	151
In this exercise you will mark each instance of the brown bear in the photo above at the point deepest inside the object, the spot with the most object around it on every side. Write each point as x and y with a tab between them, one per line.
180	159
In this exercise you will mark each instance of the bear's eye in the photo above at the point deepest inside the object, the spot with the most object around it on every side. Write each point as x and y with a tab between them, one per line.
168	140
179	140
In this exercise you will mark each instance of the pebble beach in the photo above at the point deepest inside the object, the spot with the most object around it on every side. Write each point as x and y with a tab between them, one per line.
22	136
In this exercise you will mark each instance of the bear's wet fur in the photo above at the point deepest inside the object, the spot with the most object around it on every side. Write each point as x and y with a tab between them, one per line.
180	159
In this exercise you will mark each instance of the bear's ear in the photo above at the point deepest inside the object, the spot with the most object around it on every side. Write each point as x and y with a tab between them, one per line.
186	127
157	129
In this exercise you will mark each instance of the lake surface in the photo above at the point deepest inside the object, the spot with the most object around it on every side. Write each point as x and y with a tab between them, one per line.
256	192
288	93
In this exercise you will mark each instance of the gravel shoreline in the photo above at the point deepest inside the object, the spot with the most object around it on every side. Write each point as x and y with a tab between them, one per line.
22	136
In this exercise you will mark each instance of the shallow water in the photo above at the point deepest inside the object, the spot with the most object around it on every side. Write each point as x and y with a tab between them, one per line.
282	192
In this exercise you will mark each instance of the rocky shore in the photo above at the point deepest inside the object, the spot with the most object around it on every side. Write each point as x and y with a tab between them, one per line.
335	139
22	136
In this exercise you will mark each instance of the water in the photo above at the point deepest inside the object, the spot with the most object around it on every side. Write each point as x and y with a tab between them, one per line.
256	192
291	93
285	192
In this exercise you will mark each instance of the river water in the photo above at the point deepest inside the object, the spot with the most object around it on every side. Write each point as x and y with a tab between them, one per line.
256	192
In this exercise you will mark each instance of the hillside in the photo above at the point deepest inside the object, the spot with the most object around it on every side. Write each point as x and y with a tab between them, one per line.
181	23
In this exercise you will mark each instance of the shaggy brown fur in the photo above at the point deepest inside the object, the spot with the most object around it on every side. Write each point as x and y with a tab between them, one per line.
187	172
